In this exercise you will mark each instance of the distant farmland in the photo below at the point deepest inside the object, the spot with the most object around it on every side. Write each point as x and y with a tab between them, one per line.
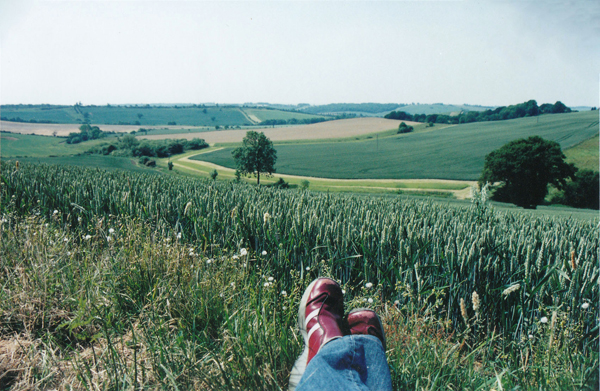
319	131
145	115
455	152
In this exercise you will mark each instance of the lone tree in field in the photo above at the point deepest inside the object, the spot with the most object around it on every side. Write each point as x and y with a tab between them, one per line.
524	169
256	155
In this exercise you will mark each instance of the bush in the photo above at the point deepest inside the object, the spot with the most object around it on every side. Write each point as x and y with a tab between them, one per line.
404	128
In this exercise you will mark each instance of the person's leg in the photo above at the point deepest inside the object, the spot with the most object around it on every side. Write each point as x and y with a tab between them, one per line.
333	359
354	362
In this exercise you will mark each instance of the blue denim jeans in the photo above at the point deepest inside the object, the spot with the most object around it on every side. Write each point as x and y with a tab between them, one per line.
353	362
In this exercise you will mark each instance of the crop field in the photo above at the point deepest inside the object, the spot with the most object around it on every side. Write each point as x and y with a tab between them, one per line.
320	131
146	115
127	280
267	114
454	152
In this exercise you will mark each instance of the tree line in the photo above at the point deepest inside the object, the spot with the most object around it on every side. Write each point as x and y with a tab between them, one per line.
526	109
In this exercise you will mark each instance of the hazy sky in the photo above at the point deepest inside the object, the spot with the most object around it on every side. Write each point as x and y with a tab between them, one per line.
477	52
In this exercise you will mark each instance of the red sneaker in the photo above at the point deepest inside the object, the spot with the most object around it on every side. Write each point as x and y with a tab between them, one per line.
366	321
320	319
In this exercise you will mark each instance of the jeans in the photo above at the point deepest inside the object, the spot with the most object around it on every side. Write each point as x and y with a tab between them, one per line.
353	362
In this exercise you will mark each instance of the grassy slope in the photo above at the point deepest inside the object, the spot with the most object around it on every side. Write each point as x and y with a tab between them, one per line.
14	144
455	152
585	155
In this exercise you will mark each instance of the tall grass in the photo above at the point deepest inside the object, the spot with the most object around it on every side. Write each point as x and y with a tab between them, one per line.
170	302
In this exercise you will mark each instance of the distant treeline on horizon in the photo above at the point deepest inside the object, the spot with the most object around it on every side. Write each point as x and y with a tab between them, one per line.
526	109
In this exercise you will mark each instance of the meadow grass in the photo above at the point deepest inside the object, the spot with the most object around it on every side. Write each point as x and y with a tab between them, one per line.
452	152
268	114
116	303
16	145
585	155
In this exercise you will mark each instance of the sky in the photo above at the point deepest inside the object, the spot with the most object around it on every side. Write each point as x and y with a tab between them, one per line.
489	53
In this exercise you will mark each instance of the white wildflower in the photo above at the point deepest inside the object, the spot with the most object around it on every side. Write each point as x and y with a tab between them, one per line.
235	257
111	230
266	284
232	284
55	212
178	235
68	253
369	285
243	252
270	279
343	291
108	238
307	268
530	336
264	252
244	264
397	302
284	308
283	293
87	237
544	319
585	306
65	240
370	301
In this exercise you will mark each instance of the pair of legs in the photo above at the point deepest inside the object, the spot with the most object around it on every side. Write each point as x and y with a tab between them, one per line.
340	353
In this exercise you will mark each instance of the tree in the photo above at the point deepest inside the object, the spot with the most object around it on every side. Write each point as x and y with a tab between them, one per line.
256	155
524	168
582	191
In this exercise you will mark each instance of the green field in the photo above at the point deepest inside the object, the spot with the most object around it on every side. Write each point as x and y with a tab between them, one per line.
93	161
145	115
585	155
267	114
115	280
454	152
15	144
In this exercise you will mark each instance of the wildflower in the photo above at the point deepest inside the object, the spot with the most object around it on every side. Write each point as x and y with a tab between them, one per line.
68	253
244	264
270	279
369	285
544	319
243	252
266	217
55	212
511	289
264	252
235	257
87	237
232	284
475	300
307	268
397	302
65	240
283	293
108	238
370	300
111	230
266	284
530	336
343	291
585	306
79	219
178	235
